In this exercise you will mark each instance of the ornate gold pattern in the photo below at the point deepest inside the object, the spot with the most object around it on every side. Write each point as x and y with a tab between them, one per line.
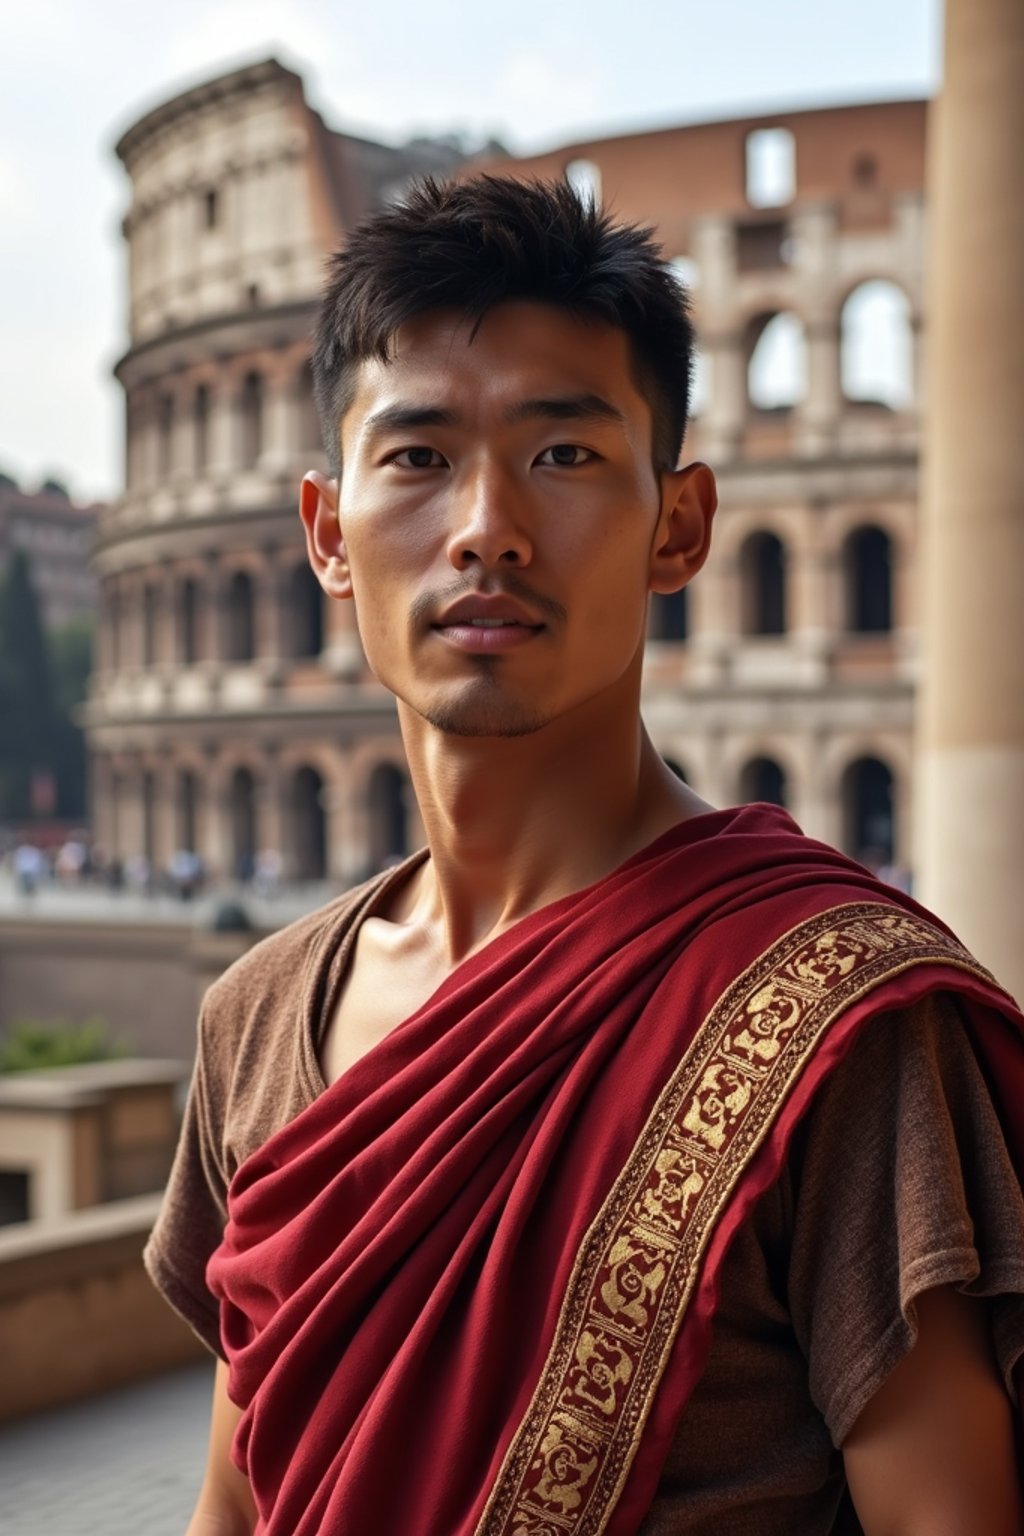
638	1264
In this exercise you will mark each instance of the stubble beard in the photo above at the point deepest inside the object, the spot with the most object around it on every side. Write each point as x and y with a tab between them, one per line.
488	711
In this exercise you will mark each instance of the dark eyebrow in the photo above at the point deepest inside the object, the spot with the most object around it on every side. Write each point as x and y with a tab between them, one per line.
405	418
402	418
566	408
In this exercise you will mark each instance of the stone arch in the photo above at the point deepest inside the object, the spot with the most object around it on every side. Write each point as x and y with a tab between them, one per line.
867	570
150	599
251	403
188	790
149	793
769	156
189	604
308	438
387	803
763	778
876	345
762	567
165	435
306	605
243	822
201	429
584	176
241	617
776	352
309	841
668	616
867	793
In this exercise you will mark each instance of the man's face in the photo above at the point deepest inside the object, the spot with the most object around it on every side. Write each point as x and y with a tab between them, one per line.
498	506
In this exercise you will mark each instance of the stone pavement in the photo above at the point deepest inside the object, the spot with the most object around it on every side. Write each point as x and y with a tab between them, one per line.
125	1464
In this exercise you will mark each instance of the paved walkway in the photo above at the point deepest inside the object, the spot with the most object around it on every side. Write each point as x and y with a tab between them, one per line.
126	1464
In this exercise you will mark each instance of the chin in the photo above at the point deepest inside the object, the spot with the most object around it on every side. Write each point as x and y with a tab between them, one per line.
475	720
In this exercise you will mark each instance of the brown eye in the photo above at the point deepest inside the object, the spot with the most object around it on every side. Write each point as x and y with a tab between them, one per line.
417	458
566	455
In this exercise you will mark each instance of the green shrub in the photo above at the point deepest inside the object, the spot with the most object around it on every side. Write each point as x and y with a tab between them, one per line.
32	1045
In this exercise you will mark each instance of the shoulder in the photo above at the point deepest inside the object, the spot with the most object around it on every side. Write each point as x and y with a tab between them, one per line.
277	971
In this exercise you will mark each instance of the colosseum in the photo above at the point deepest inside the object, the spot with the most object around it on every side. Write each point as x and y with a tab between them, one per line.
231	710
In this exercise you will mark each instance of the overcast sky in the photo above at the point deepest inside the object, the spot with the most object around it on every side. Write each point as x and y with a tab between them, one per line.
535	73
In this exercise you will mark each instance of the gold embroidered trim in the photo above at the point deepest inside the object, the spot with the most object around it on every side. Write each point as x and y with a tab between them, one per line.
638	1264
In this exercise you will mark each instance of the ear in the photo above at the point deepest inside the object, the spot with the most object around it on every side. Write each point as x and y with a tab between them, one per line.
325	545
682	539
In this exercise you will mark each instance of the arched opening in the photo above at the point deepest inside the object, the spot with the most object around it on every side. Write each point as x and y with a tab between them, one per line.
149	819
165	436
241	626
387	797
777	370
770	155
868	815
876	346
867	562
201	429
309	825
188	618
243	823
308	435
306	604
763	585
667	617
252	420
763	779
585	179
149	614
116	635
188	803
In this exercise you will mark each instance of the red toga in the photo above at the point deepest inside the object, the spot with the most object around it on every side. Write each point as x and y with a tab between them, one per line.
470	1288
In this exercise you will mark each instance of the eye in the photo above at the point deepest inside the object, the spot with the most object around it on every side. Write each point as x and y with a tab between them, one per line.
416	458
566	456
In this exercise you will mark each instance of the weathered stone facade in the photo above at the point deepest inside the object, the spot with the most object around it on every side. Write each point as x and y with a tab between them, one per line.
232	711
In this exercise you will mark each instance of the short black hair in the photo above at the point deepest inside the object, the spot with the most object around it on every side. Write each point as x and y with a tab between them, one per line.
469	245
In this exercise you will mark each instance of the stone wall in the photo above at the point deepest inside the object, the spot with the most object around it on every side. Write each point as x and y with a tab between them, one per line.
78	1313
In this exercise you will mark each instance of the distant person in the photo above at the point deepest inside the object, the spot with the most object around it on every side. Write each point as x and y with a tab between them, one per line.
30	868
613	1164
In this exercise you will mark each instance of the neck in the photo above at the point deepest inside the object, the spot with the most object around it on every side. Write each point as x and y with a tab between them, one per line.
513	823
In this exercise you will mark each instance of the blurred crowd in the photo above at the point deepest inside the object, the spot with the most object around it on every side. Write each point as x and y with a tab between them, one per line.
78	863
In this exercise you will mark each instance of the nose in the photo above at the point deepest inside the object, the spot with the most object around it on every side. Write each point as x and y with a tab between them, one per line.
489	527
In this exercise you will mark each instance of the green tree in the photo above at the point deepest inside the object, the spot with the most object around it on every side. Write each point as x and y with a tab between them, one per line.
71	663
27	714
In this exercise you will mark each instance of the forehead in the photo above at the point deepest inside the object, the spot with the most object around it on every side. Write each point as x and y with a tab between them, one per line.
519	350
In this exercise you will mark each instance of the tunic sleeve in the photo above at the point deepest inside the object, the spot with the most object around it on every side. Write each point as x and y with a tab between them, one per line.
902	1182
194	1210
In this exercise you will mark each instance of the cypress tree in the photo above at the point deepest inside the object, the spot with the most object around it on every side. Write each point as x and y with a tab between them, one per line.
27	717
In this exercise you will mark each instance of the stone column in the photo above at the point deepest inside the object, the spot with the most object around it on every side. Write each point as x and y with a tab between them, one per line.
223	452
278	434
271	597
970	831
722	423
343	650
818	413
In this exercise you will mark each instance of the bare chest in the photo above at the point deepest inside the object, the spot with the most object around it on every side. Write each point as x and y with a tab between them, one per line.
385	984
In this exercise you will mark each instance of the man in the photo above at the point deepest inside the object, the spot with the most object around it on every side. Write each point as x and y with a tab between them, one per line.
616	1164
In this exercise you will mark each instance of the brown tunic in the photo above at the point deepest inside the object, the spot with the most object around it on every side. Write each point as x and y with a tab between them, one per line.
898	1180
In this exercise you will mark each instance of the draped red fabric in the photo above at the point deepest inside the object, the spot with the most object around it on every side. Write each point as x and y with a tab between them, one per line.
397	1259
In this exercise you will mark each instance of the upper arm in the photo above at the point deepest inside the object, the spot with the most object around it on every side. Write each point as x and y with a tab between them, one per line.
933	1451
225	1506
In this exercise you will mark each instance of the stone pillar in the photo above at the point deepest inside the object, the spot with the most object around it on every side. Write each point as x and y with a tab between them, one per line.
343	650
722	423
271	597
278	433
970	831
223	429
818	413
